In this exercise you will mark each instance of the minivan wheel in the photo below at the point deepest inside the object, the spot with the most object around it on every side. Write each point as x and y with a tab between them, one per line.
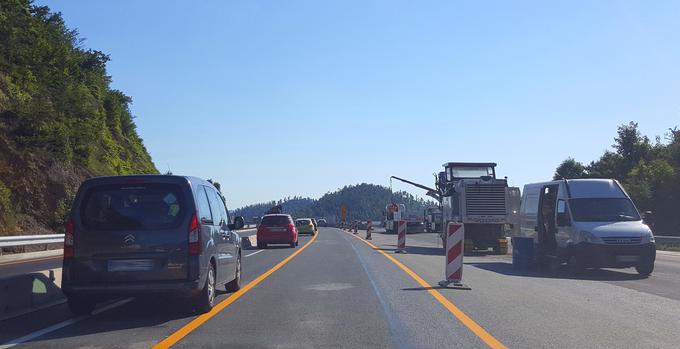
206	299
575	266
645	269
81	305
235	285
292	244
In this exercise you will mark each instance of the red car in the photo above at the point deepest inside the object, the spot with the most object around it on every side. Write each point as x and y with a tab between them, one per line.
277	229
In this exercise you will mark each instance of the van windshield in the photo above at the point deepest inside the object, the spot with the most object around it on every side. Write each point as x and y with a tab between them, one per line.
603	210
138	206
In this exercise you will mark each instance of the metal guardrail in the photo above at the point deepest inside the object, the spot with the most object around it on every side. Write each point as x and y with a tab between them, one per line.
28	240
674	240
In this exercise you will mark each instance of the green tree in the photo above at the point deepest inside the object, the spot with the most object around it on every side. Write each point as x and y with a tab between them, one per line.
569	169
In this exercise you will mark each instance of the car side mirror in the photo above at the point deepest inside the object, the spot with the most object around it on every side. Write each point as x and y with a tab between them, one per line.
563	220
239	222
648	217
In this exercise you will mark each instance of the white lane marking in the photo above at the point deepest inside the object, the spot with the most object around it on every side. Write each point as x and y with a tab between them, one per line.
62	324
248	255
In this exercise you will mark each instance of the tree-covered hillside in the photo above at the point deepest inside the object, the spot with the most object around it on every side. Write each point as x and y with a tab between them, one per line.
648	170
363	201
60	121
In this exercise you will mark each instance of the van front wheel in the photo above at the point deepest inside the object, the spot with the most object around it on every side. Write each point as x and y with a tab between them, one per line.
645	269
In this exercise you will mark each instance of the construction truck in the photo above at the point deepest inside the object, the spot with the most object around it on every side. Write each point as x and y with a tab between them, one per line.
470	194
432	216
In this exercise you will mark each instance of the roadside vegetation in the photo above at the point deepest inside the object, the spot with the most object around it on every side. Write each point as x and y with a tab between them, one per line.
363	201
648	170
60	121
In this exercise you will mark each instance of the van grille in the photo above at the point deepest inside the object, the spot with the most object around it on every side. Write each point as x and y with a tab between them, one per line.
622	240
485	200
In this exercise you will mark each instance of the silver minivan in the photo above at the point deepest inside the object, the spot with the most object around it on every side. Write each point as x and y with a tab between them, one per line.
587	223
147	234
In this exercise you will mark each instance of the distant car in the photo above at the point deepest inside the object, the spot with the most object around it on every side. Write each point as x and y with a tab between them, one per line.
305	226
316	225
277	229
131	235
322	222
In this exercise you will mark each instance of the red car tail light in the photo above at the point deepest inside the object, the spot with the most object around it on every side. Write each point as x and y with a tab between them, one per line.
194	236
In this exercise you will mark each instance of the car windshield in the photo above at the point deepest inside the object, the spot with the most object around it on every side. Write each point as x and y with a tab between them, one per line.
470	172
603	210
275	220
139	207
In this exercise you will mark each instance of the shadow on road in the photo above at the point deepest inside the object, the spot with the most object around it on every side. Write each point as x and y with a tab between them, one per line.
428	251
562	273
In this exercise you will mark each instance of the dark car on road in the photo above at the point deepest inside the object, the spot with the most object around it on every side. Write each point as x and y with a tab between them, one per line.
277	229
132	235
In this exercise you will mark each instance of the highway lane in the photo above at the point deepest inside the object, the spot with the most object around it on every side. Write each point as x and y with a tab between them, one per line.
341	292
600	309
140	323
338	293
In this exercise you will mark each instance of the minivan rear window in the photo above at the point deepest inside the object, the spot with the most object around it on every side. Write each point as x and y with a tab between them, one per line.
276	220
149	206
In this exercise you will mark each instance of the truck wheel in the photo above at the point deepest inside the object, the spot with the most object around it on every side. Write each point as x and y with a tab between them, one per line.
575	266
645	269
81	305
468	246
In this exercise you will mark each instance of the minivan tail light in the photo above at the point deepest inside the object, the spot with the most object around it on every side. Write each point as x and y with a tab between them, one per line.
291	227
194	236
69	238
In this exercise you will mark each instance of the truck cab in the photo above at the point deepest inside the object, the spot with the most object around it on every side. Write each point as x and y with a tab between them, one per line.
472	195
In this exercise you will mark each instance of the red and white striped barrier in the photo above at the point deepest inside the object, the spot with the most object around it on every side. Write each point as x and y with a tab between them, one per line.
401	237
454	255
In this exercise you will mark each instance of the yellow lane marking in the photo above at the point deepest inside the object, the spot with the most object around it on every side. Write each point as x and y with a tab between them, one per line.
32	260
459	314
200	320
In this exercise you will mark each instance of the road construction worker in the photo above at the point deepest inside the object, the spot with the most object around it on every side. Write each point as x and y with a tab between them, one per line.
369	229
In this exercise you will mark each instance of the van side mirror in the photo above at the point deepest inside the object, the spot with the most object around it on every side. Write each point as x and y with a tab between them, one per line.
563	219
648	217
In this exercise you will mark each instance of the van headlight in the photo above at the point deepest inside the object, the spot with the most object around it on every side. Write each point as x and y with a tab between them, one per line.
649	238
587	236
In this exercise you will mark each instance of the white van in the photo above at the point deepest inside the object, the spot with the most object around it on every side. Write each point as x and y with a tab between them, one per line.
588	223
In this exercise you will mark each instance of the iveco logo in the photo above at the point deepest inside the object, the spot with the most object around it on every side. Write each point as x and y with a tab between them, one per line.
129	239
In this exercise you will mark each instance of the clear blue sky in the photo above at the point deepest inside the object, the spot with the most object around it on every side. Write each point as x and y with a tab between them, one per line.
283	98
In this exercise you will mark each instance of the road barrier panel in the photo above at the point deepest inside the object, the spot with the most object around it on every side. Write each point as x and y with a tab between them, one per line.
453	269
401	237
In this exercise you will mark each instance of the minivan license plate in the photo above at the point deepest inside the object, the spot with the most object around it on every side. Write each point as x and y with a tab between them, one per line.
130	265
627	258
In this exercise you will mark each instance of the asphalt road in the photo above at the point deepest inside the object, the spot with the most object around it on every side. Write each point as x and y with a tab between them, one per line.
341	292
